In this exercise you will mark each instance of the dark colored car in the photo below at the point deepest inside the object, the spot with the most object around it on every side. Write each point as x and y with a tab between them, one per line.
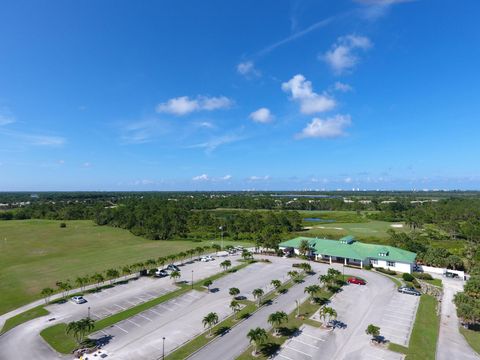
451	275
408	290
172	267
354	280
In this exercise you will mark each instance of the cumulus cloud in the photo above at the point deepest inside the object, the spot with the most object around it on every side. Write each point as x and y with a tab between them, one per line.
259	178
247	69
184	105
226	177
326	128
262	115
203	177
339	86
310	102
343	55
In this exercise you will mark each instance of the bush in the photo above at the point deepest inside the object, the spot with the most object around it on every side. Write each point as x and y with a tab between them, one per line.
407	277
386	271
63	225
368	267
422	276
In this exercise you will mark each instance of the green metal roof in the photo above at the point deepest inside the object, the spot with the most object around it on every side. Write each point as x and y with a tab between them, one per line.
355	250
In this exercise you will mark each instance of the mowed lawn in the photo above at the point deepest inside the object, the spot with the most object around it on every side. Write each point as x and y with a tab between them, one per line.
35	254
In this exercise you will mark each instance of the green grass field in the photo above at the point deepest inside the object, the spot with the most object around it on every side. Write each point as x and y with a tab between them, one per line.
472	337
36	253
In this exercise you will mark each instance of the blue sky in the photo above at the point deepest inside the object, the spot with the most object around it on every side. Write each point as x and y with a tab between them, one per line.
232	95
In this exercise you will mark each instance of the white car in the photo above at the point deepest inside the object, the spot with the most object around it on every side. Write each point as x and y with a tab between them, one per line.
207	258
78	300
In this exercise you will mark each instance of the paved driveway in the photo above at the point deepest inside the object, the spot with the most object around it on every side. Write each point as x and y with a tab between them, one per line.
451	343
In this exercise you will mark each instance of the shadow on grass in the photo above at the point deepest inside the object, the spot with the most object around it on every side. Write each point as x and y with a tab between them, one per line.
321	300
285	331
222	330
283	291
269	349
267	302
245	316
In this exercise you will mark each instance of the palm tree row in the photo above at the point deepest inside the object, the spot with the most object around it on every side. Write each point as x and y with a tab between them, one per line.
111	274
80	328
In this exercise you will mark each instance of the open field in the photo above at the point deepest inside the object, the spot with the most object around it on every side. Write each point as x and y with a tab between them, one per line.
36	253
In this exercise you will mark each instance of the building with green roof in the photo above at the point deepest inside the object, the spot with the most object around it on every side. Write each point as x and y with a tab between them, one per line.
351	252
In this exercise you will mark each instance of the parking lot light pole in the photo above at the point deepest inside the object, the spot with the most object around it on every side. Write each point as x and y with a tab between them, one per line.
88	312
192	279
163	348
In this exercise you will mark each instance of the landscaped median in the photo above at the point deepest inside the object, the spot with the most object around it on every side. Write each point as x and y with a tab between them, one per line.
64	343
201	340
24	317
424	337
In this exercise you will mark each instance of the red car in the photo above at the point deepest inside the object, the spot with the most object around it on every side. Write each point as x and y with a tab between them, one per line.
354	280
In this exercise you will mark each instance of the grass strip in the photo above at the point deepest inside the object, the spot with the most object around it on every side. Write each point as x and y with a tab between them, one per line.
56	337
423	341
201	340
472	337
24	317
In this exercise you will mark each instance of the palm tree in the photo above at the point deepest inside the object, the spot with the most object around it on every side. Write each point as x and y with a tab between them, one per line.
293	274
64	287
304	247
257	294
330	313
225	264
208	283
182	256
112	274
98	278
161	261
199	250
246	255
325	280
80	328
312	290
46	293
210	320
235	306
174	275
126	270
81	282
374	331
276	284
322	314
234	291
217	248
276	319
306	267
257	337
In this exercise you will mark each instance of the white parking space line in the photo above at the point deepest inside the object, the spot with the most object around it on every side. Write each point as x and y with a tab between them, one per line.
134	304
285	357
144	317
301	352
304	343
125	331
314	337
155	312
121	307
134	323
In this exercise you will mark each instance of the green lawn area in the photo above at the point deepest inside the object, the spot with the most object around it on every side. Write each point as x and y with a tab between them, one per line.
423	341
436	282
367	231
57	339
24	317
37	253
472	337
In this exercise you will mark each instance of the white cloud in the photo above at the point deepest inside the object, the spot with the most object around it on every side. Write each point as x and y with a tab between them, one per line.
214	143
259	178
87	164
6	119
143	131
247	69
61	162
144	182
374	9
343	56
310	102
203	177
326	128
226	177
262	115
206	124
339	86
184	105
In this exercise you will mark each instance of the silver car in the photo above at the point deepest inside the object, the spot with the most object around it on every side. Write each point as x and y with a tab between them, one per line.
78	300
408	290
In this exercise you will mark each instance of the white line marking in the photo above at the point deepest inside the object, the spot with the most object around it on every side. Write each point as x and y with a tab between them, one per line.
134	323
302	342
121	307
286	357
125	331
144	317
301	352
155	312
304	333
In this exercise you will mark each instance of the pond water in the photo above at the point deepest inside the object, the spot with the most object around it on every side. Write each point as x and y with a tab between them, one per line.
319	220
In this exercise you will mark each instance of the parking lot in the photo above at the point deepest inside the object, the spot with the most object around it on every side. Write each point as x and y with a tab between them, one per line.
398	318
304	345
180	319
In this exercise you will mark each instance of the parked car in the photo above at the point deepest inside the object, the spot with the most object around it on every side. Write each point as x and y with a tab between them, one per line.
206	258
408	290
451	275
161	273
172	267
78	300
354	280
